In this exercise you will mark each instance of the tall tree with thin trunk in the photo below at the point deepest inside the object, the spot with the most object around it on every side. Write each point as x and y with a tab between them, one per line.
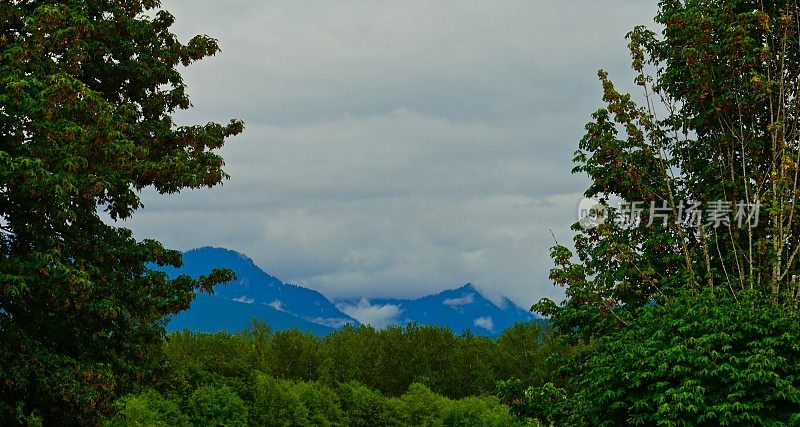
710	153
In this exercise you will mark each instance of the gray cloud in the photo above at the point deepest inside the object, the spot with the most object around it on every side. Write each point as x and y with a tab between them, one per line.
376	315
396	148
464	300
485	322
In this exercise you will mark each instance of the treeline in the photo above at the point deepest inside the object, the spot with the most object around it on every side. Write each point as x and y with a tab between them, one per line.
387	360
414	375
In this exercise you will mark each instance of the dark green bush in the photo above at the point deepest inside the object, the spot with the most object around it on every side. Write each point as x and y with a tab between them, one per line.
707	359
147	409
321	402
425	407
366	407
276	403
217	406
478	412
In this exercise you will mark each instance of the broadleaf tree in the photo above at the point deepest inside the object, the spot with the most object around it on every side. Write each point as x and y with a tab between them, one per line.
684	283
712	145
88	90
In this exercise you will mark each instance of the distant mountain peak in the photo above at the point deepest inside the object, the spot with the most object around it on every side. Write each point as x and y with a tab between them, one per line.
463	308
221	252
465	290
257	288
462	290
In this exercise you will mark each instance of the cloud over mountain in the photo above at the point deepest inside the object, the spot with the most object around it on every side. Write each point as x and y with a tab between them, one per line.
378	316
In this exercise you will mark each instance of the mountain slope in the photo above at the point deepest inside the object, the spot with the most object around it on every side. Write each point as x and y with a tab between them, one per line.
253	293
210	313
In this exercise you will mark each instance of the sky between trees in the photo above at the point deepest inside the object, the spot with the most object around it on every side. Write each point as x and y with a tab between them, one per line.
396	148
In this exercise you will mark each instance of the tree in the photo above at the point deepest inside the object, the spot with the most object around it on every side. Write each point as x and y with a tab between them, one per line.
697	360
276	403
423	406
717	133
364	406
701	284
348	354
294	355
321	402
217	406
479	411
706	359
147	409
87	93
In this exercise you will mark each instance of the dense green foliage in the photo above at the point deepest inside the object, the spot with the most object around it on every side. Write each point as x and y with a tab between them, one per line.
705	359
260	377
290	403
386	360
148	409
688	322
87	93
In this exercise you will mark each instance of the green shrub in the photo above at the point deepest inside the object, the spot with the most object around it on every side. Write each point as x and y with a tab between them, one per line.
365	407
478	412
321	402
706	359
217	406
276	403
424	407
147	409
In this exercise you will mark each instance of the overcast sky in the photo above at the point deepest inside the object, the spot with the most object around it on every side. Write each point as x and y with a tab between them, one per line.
396	148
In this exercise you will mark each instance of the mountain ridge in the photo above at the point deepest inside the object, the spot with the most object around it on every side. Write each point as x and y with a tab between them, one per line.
463	308
258	294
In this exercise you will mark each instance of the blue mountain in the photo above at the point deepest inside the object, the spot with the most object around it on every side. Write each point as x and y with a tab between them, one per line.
253	294
257	295
460	309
